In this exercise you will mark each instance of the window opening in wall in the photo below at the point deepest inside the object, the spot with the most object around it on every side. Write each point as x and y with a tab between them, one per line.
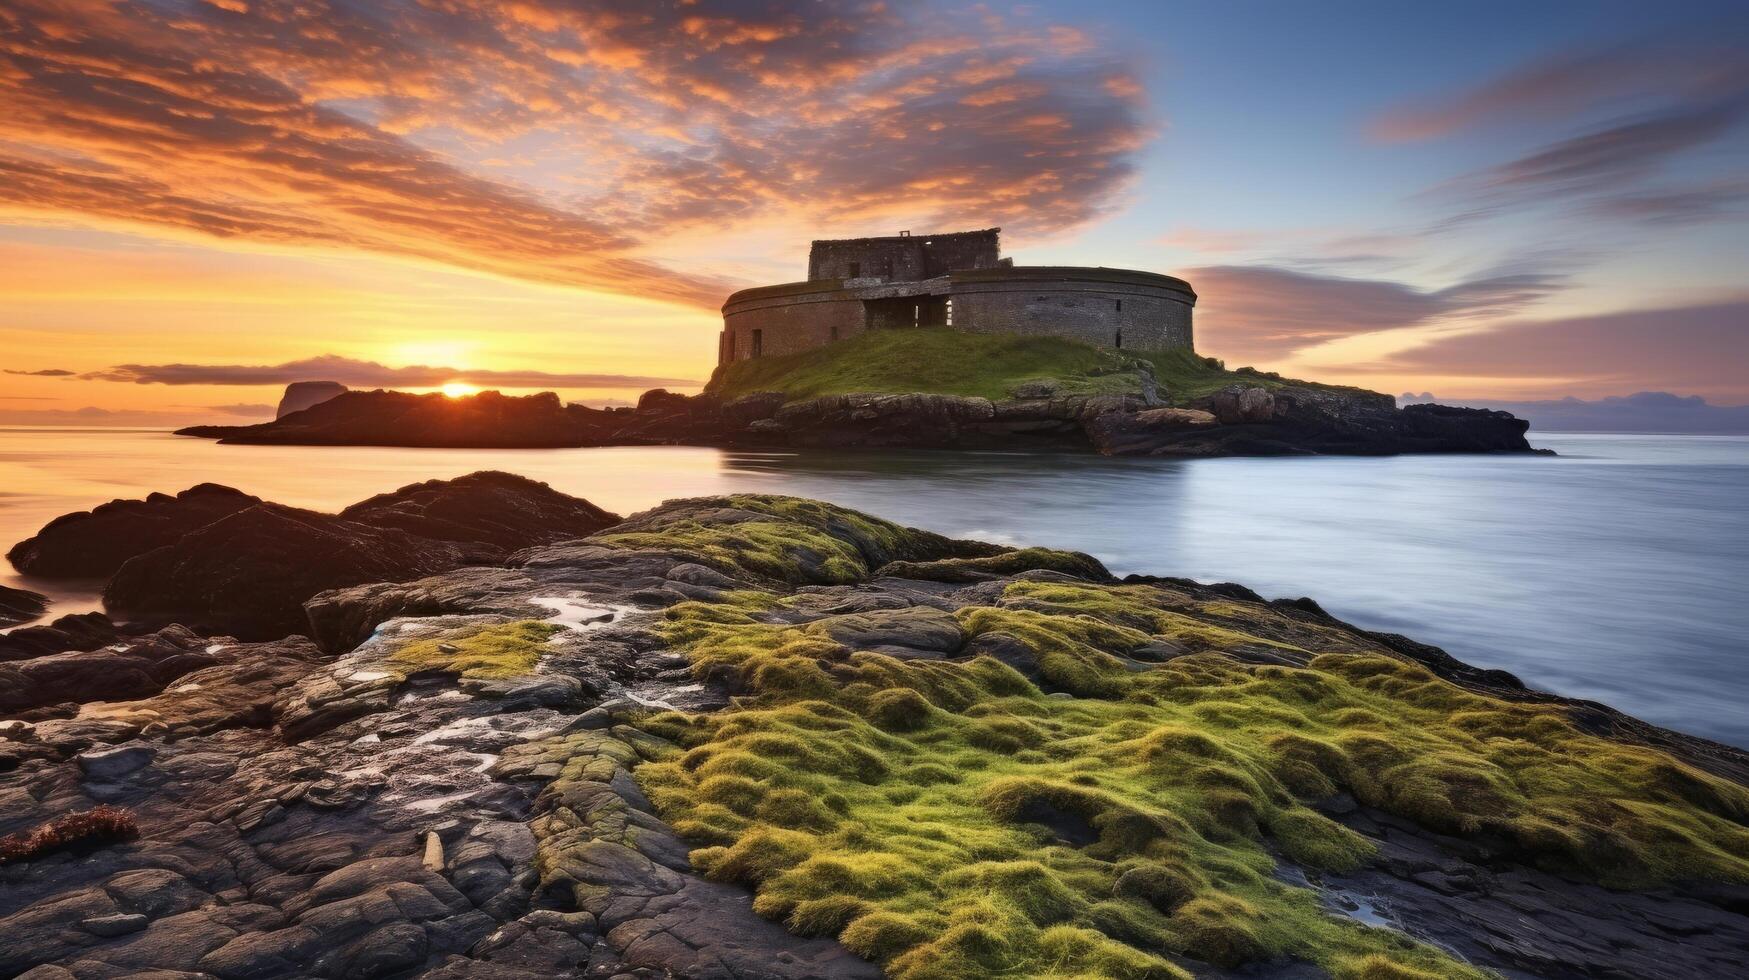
834	331
1120	306
758	342
1120	338
855	270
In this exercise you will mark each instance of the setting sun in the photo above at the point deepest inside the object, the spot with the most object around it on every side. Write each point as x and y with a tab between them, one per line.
460	389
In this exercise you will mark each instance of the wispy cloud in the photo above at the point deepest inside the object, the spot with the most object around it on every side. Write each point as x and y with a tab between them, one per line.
1563	85
44	373
1626	115
554	140
1609	158
1270	312
1708	201
362	374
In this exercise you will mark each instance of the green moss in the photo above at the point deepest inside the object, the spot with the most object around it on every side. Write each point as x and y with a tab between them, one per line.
995	566
487	652
951	819
788	539
950	362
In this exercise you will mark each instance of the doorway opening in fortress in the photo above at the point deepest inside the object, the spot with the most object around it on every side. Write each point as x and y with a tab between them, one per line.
904	312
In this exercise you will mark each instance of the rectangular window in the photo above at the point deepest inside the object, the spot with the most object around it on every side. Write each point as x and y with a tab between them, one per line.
834	331
758	342
855	270
1120	306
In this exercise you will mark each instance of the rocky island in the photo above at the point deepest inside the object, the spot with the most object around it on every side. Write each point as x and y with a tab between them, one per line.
930	389
929	342
512	735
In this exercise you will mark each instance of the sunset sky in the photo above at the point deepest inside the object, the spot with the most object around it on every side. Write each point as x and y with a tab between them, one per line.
200	201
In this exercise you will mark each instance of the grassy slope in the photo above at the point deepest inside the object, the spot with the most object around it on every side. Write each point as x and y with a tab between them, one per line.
887	802
987	365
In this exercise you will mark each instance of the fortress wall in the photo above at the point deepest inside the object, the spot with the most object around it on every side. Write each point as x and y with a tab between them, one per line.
789	324
1090	305
1150	318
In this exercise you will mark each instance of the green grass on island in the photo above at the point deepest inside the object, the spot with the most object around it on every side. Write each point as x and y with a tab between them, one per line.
953	818
952	362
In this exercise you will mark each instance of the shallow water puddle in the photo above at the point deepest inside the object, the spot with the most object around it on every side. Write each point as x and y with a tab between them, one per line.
572	612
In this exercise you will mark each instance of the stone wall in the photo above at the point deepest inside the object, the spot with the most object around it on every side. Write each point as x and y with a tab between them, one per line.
1109	311
903	258
788	323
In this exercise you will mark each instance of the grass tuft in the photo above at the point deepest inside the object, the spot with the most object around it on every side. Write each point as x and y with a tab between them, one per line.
950	362
487	652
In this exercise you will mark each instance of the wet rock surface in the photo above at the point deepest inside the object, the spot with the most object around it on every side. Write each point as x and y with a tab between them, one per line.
304	815
335	810
20	606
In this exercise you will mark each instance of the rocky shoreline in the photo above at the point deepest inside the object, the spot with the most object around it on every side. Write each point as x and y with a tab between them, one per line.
763	737
1239	420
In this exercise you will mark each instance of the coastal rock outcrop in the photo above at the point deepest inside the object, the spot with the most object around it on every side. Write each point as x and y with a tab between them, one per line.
490	512
300	395
249	573
396	418
249	569
78	631
756	736
1280	419
94	543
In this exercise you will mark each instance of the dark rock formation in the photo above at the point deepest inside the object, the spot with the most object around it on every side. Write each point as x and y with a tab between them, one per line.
80	631
396	418
1241	420
220	560
300	395
20	606
491	512
249	573
94	543
127	669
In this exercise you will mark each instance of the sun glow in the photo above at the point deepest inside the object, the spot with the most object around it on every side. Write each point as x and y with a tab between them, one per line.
460	389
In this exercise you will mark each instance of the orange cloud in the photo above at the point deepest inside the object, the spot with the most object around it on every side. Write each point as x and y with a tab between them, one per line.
552	141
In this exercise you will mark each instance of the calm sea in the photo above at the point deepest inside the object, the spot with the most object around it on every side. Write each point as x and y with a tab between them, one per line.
1615	571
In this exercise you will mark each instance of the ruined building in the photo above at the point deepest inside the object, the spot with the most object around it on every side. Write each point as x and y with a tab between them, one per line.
959	281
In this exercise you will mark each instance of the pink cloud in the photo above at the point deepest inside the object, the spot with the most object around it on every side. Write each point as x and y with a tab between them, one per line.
1268	312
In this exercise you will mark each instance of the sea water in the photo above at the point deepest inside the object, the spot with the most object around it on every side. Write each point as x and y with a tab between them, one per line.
1613	571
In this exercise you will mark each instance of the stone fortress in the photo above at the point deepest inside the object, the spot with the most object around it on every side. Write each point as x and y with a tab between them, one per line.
959	281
